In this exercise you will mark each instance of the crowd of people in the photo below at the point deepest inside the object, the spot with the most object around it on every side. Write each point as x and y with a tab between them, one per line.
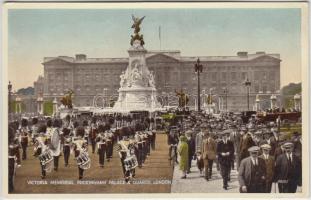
133	138
257	150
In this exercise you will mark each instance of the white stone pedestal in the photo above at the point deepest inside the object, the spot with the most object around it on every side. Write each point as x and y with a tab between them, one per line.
137	87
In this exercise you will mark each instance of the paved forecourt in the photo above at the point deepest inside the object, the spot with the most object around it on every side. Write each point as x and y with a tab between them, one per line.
196	183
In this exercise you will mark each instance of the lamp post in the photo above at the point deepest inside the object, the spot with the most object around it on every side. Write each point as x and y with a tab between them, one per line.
226	97
247	83
9	97
198	68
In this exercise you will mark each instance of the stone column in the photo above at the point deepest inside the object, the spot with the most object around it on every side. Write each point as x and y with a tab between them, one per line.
273	101
40	105
54	106
297	101
257	103
18	105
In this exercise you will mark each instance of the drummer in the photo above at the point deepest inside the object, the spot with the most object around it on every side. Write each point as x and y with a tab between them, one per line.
79	146
42	150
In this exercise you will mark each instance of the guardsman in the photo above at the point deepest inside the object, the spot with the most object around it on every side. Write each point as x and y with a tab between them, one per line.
144	142
288	170
34	129
153	139
139	143
252	173
23	132
79	148
87	129
101	145
13	157
148	141
109	141
225	152
56	142
42	142
270	165
93	134
67	145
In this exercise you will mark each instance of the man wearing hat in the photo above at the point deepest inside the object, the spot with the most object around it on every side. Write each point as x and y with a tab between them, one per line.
235	137
275	137
225	152
191	148
199	138
257	138
252	172
288	170
270	163
245	144
209	154
267	139
296	139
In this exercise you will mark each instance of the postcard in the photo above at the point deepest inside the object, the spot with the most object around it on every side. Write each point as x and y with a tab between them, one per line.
155	100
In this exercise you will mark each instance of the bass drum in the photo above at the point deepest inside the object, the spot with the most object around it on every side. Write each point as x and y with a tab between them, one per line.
83	160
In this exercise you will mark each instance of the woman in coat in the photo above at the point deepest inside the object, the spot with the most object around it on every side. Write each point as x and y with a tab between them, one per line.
183	153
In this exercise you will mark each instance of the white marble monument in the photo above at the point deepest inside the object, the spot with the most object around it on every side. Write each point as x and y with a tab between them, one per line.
137	87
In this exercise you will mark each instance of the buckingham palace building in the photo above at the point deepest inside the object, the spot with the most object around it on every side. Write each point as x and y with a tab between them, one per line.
223	77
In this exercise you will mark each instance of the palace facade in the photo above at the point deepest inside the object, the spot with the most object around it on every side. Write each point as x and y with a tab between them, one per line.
90	77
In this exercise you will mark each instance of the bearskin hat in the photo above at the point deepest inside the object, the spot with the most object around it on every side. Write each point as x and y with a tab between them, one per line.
57	123
42	128
34	120
24	122
80	131
49	122
66	131
101	128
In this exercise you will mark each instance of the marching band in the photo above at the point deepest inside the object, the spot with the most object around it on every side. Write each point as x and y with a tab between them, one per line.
53	137
261	155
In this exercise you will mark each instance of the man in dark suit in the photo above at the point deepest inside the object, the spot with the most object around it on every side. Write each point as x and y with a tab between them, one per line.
275	140
288	170
245	144
270	166
252	173
296	139
225	152
235	137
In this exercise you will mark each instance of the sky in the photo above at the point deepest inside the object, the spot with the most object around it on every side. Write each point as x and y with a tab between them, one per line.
37	33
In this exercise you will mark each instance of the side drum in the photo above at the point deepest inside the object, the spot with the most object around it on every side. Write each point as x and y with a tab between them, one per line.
130	163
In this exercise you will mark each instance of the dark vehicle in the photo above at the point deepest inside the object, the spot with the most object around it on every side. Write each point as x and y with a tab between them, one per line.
288	116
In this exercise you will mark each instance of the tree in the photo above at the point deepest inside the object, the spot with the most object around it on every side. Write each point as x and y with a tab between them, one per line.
48	108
